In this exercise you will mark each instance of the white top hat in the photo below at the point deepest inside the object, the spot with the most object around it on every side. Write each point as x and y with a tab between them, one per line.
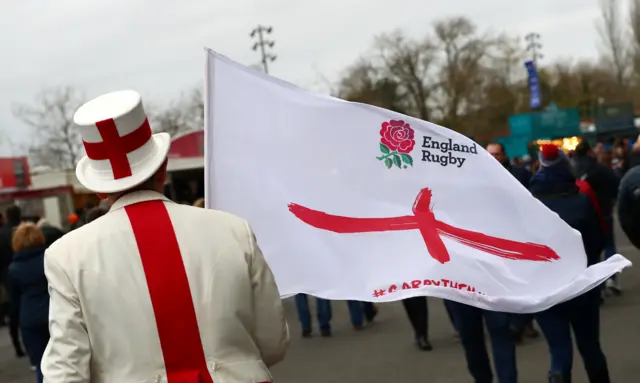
121	150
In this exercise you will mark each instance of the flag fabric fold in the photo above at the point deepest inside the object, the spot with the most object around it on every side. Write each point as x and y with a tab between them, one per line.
351	201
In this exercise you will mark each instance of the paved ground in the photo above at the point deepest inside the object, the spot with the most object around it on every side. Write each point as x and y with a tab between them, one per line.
384	353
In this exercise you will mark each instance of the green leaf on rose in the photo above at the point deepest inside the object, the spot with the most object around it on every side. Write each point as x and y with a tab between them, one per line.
397	161
388	162
384	148
407	159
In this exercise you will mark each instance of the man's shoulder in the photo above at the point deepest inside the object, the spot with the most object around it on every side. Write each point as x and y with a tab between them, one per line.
81	242
208	215
628	185
522	171
211	226
74	239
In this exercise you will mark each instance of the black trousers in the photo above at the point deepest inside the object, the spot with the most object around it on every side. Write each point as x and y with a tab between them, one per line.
35	340
418	313
14	324
14	332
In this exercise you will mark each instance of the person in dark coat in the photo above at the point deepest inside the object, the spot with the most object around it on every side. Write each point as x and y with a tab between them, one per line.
521	324
29	294
50	232
629	205
13	218
604	183
418	312
497	150
555	186
468	321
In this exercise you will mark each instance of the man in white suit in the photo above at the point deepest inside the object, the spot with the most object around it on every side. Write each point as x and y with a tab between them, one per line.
154	291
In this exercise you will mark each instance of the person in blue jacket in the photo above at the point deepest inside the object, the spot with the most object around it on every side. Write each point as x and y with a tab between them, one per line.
29	294
555	186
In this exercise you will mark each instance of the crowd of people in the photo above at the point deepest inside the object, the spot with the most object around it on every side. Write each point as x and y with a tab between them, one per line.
24	297
580	186
558	180
582	189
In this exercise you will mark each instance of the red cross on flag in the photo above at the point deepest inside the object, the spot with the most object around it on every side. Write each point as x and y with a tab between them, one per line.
351	201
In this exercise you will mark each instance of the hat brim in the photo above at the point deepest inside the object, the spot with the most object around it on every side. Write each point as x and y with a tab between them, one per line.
99	184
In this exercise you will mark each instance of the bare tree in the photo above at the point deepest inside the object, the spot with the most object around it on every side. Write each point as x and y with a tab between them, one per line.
363	82
56	140
634	21
410	66
506	60
501	93
461	72
184	114
613	38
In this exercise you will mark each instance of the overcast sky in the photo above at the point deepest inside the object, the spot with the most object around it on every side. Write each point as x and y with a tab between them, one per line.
156	46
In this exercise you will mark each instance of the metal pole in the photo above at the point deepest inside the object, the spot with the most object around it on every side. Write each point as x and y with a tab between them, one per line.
262	43
262	51
534	46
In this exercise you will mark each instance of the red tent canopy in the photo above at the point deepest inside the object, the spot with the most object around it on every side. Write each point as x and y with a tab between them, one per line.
190	144
187	151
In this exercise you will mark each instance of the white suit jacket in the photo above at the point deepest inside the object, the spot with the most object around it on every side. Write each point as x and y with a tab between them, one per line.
101	317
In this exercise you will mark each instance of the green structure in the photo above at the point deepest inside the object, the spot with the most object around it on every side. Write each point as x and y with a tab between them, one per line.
549	124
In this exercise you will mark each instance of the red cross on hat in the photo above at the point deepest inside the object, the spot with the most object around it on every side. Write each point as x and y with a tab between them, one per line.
121	150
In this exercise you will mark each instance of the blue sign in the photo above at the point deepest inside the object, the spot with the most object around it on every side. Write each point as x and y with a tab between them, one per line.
535	98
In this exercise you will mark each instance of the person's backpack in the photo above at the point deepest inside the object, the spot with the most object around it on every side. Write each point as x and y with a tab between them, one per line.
629	205
587	190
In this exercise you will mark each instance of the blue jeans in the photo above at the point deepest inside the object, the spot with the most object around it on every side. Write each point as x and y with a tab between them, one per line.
35	340
358	311
520	321
582	314
323	307
468	321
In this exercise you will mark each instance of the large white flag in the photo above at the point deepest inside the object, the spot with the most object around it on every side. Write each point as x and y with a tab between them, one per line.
350	201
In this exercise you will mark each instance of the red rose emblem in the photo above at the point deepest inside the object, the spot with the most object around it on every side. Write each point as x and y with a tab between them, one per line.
396	142
398	136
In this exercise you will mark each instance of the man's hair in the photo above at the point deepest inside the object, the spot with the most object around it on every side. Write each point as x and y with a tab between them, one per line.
149	184
500	145
582	149
13	214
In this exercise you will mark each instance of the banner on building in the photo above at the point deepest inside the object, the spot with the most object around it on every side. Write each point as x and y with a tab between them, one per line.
535	97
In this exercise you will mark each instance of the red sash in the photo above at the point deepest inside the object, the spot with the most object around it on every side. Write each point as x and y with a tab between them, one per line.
586	189
171	299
